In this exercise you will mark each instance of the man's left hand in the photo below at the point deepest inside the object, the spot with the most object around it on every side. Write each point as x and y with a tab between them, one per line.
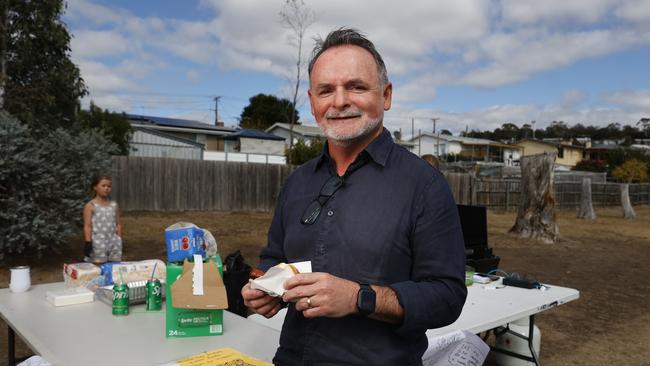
321	294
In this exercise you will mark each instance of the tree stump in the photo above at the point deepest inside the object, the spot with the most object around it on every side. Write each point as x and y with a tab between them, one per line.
628	210
536	214
586	210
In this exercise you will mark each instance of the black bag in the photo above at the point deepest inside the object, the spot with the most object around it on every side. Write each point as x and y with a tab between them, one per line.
235	276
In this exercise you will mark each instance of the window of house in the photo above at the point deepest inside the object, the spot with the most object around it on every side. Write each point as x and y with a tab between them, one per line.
560	152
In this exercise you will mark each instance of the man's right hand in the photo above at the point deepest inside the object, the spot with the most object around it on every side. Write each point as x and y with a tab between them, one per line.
260	302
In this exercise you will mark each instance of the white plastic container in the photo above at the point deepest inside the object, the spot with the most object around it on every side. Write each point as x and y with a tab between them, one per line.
512	343
20	279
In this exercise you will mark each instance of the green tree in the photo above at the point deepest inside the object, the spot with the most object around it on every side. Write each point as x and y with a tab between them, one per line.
619	156
114	125
44	181
644	125
43	86
264	110
591	166
301	153
631	171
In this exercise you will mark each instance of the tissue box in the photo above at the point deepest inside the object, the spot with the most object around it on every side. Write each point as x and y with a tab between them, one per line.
193	317
69	296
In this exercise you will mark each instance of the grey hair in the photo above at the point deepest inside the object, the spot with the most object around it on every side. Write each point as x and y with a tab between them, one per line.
348	36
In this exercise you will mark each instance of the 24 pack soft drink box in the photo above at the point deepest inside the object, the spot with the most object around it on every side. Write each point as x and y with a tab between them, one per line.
189	315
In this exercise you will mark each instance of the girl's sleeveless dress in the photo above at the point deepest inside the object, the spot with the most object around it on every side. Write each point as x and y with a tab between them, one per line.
107	245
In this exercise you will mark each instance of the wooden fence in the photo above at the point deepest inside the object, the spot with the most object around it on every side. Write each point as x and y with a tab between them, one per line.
503	194
160	184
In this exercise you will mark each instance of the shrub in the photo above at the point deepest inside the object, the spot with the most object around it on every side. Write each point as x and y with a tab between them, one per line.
302	153
632	171
44	182
591	166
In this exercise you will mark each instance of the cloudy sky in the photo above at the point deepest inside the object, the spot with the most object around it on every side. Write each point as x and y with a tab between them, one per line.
473	64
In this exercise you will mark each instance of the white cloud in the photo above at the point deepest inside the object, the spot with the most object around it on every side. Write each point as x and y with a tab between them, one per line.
102	78
572	98
88	11
426	45
554	11
634	10
635	99
515	57
90	44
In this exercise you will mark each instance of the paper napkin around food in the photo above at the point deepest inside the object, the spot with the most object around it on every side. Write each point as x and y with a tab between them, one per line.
272	282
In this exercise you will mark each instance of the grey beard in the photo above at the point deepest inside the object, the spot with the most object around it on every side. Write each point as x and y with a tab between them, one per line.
367	129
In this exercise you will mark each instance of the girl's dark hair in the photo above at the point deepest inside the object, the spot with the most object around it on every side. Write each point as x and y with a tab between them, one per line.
96	179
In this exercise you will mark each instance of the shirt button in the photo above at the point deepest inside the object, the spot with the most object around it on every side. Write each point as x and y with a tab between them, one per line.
330	213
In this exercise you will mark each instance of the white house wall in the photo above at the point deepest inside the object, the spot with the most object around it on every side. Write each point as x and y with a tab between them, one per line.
259	146
281	132
150	145
429	145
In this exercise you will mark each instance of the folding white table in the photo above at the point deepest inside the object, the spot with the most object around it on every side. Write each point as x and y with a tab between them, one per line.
489	307
88	334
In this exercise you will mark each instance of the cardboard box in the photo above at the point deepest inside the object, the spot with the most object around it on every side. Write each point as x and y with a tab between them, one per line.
188	315
183	240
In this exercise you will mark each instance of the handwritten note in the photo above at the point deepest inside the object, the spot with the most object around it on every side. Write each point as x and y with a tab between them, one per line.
459	348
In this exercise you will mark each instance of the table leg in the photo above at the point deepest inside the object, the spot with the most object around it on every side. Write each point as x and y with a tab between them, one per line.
529	339
11	346
531	333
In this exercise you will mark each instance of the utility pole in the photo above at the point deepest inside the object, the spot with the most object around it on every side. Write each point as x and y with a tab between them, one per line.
434	124
412	128
533	123
216	111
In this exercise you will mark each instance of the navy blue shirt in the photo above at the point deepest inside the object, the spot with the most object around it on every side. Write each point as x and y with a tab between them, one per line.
392	223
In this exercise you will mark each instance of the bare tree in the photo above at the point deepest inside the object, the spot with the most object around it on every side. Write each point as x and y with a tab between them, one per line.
628	210
536	214
586	210
297	17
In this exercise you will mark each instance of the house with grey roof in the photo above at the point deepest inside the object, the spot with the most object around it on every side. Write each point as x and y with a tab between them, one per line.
152	143
465	148
300	132
181	138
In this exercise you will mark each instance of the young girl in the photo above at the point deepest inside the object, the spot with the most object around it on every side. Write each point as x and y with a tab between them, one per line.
102	226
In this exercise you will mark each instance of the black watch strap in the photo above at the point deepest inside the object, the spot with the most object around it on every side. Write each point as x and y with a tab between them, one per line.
366	299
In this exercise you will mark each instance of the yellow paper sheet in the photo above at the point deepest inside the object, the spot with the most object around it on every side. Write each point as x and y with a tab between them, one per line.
222	357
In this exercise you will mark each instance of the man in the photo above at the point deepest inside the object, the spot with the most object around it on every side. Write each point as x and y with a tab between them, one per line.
378	224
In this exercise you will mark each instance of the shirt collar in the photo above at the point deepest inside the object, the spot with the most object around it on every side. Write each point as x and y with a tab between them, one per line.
378	150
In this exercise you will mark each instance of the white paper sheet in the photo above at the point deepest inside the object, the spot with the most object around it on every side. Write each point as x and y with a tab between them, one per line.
459	348
197	276
273	280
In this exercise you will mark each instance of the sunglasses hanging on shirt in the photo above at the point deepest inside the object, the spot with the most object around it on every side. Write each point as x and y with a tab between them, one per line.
326	192
328	189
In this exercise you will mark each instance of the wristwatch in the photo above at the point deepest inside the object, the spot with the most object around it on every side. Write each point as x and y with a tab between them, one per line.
366	299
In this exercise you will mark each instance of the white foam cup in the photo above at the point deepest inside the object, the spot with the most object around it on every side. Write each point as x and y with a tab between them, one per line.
20	279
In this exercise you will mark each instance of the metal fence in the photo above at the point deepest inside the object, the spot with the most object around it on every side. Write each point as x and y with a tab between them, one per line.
504	194
160	184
